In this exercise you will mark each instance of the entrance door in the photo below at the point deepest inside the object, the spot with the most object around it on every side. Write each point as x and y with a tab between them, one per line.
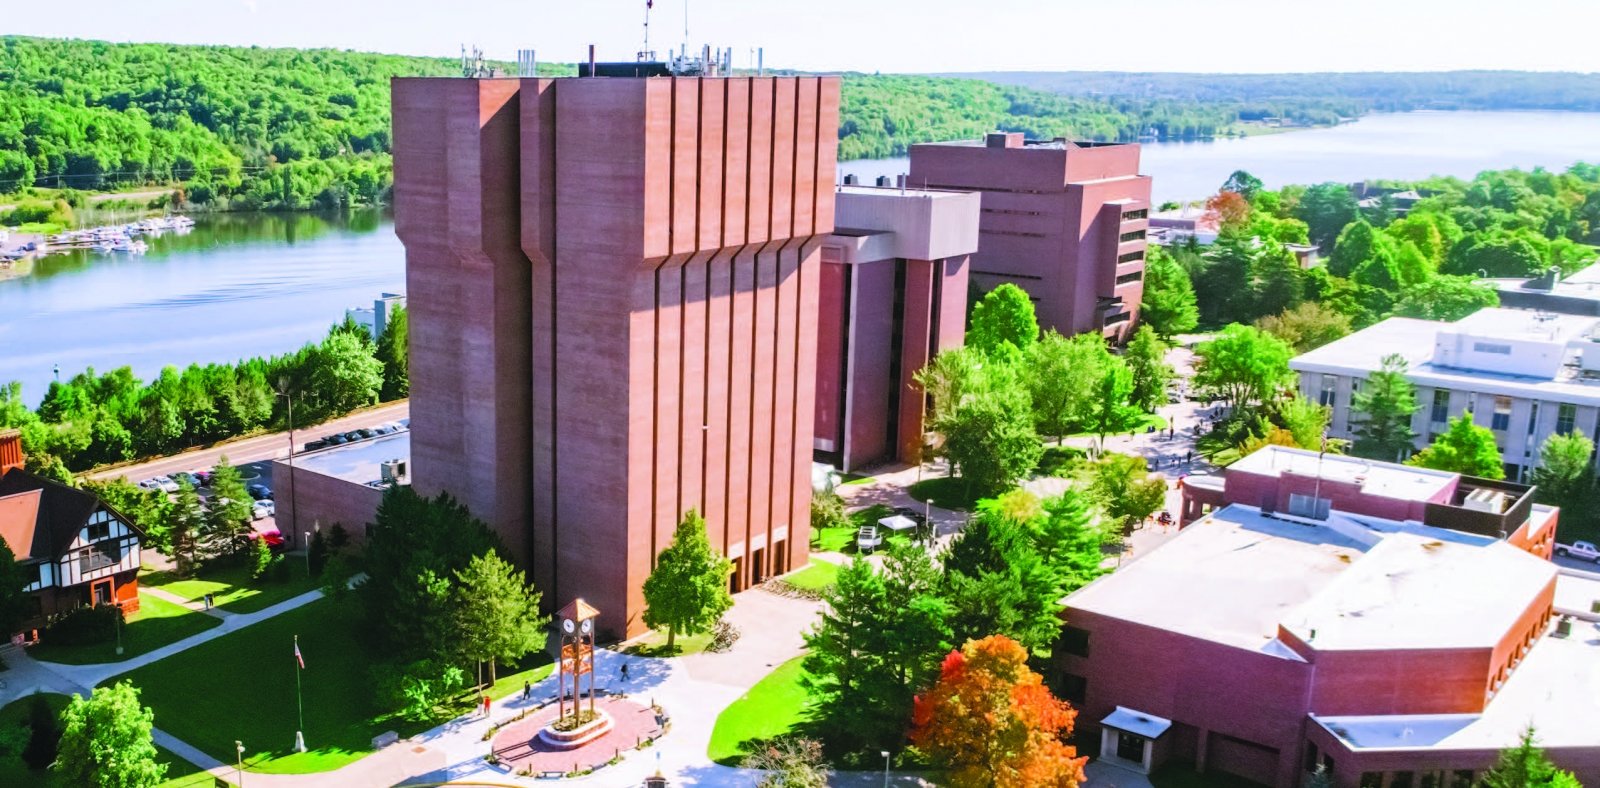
101	592
757	561
733	579
1130	747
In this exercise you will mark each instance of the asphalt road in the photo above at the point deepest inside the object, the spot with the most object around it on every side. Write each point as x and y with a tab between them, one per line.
258	448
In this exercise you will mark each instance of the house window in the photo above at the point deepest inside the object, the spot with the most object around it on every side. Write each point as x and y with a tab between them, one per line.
1134	235
1533	418
99	556
1566	415
1075	641
1120	317
1501	421
1491	347
1441	406
34	573
1330	390
98	531
1311	757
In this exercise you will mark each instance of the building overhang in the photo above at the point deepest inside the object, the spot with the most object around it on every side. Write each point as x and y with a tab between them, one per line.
1137	723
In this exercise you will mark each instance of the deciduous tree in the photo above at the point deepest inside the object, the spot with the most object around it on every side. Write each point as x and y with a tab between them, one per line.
1565	476
106	742
1445	298
688	590
1242	183
495	612
989	436
347	376
1243	365
1464	448
1003	316
990	721
1146	357
1306	326
1125	490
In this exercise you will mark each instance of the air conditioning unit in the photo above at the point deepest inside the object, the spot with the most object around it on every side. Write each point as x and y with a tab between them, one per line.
1486	500
392	471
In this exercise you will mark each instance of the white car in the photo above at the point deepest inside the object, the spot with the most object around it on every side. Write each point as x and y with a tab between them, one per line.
164	484
262	510
1583	551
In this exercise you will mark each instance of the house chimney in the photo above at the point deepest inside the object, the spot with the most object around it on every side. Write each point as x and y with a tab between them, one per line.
10	450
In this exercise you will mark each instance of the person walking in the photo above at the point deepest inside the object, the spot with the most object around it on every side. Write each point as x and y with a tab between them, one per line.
486	705
624	671
527	690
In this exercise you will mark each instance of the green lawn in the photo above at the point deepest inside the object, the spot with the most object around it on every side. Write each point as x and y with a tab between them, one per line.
843	540
242	686
1145	421
233	590
947	492
158	623
1066	462
817	576
773	707
654	644
180	773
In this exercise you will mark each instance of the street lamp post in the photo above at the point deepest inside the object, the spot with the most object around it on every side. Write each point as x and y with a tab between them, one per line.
119	630
885	769
238	747
927	519
294	509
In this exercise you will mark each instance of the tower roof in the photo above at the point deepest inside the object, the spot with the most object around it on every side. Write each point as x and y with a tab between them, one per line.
578	610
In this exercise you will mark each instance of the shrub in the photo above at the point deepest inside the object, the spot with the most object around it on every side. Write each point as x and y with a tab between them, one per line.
723	636
44	733
82	626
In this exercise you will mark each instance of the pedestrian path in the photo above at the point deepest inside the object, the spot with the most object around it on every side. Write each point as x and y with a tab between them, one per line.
91	675
198	607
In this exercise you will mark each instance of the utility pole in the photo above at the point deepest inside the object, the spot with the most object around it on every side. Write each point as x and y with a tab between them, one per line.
238	746
294	509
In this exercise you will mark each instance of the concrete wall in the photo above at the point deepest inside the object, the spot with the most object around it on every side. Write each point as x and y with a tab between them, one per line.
651	272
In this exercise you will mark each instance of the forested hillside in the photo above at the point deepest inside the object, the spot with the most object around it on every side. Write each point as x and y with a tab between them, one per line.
1291	95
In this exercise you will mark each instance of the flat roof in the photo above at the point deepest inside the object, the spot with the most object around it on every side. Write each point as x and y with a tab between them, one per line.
1556	688
1389	480
1228	578
1236	576
1362	352
1525	325
896	191
357	462
1414	591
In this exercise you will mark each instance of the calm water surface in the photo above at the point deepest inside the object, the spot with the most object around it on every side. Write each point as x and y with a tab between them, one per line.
1407	146
242	285
238	285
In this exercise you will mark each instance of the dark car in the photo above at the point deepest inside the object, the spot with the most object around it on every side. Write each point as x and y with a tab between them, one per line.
260	492
203	476
337	440
353	436
367	432
316	444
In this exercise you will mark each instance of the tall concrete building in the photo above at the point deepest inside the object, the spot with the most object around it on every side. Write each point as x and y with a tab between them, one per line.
894	295
613	289
1065	221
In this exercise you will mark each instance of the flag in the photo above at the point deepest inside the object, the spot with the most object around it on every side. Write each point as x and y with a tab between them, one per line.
297	657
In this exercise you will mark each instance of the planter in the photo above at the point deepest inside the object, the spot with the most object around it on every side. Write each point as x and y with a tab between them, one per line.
579	736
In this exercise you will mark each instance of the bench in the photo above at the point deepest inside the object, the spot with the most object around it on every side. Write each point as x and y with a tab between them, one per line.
384	739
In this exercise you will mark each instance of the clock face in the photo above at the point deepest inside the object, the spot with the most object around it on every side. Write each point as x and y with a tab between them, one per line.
567	625
587	625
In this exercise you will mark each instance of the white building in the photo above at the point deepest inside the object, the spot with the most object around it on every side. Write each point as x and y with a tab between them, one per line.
1524	375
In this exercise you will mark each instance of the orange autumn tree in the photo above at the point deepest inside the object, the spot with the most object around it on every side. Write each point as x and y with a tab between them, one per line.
990	721
1229	209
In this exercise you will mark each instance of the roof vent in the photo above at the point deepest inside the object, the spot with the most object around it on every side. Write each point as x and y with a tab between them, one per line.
851	179
883	181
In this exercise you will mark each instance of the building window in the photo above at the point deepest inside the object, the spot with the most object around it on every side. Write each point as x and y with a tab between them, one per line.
1431	780
1501	421
1533	418
1401	780
34	573
1134	216
98	531
1075	641
1135	235
1566	415
1126	279
1491	347
99	556
1330	390
1074	688
1462	778
1130	257
1441	406
1311	757
1372	780
1120	317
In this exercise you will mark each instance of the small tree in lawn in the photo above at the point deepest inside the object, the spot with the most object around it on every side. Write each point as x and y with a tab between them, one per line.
1112	409
105	741
185	524
44	733
1464	448
228	521
1526	766
688	590
1147	363
990	721
1004	316
1243	365
260	558
496	612
841	654
1125	489
1564	477
1386	405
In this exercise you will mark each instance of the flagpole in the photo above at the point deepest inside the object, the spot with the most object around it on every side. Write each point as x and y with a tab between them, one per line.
300	707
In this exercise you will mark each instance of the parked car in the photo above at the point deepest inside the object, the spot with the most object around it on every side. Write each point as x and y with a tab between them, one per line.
406	422
259	492
185	476
381	430
204	477
316	444
337	440
395	426
367	432
259	512
165	484
353	436
274	538
1585	551
149	484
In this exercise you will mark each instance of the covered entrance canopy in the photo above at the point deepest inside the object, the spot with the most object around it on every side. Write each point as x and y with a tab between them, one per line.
898	522
1128	737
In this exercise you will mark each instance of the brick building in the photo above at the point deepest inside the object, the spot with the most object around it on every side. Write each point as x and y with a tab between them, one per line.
1065	221
613	289
1392	624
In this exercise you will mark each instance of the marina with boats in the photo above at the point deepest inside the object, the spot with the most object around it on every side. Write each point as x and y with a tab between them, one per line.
125	238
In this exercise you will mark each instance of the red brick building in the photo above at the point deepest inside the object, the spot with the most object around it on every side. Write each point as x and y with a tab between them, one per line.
1392	624
613	289
1065	221
894	295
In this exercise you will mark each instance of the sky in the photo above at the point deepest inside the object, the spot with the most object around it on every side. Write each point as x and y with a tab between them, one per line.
889	35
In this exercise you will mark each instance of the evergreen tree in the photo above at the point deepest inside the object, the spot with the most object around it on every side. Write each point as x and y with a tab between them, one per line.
1169	301
1068	540
997	584
841	656
106	742
688	590
392	349
1386	404
228	519
184	525
1147	362
1526	766
1464	448
44	733
260	559
1004	316
495	615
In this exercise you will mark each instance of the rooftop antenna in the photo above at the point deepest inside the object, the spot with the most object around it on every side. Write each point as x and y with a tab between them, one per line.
645	54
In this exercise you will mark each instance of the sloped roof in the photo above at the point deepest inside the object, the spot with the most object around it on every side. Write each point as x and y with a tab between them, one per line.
61	512
19	513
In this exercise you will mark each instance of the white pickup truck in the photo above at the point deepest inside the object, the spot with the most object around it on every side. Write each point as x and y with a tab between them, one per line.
1585	551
